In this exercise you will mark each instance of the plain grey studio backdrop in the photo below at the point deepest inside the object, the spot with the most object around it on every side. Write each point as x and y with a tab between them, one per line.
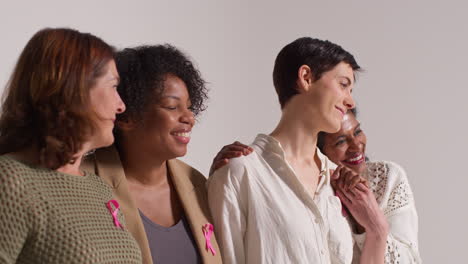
412	96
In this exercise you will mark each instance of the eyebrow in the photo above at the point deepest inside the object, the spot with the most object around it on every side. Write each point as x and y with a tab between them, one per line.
116	78
348	79
340	137
172	97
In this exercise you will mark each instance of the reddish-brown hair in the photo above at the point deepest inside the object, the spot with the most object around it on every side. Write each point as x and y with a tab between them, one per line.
46	103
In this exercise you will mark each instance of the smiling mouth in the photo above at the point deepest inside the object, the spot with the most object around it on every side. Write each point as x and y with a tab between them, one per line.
182	137
340	110
182	134
355	160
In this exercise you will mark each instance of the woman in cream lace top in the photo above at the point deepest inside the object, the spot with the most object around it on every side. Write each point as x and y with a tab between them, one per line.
389	184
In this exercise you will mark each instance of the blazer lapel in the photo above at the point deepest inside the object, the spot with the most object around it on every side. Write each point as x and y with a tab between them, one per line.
109	167
193	196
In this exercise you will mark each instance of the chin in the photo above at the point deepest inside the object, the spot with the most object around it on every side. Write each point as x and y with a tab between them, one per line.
106	141
333	127
177	153
362	168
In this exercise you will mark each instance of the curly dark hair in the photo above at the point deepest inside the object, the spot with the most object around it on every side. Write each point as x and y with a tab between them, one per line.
46	103
143	71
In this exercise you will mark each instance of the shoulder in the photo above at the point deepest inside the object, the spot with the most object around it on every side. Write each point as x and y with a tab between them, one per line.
13	171
233	173
15	182
393	185
386	172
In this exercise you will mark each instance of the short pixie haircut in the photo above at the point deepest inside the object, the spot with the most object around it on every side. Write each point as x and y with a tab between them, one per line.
320	55
46	103
143	71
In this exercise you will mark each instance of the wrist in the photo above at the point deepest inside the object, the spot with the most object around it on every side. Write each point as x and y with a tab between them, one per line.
379	231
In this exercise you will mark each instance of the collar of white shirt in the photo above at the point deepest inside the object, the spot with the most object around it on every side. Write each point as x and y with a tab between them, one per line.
268	145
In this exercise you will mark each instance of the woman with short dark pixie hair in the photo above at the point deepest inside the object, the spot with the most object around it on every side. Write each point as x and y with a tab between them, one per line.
277	205
163	199
61	102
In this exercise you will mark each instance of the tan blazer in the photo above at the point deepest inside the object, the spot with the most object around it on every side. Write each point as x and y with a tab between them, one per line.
189	184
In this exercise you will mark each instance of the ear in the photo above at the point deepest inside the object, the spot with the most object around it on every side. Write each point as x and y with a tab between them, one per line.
304	78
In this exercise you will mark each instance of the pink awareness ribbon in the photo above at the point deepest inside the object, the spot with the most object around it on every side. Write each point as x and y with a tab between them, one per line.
114	212
207	232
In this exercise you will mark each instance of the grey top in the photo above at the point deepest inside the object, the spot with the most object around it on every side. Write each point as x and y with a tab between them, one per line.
171	245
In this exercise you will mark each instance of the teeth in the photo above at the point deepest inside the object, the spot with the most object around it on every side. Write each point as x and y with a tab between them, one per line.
182	134
356	158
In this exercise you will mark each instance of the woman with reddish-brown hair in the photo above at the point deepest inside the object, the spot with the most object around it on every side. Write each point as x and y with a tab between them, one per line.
60	103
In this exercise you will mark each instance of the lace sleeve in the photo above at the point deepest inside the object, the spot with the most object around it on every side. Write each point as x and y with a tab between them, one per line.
393	193
400	197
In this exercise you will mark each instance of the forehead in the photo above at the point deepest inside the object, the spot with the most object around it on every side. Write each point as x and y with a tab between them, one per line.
348	123
174	86
110	71
343	69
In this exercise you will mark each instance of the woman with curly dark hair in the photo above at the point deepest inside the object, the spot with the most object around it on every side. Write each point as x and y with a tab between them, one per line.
163	199
61	102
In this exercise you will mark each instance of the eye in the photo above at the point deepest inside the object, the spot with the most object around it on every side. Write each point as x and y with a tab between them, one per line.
339	142
357	132
170	107
344	84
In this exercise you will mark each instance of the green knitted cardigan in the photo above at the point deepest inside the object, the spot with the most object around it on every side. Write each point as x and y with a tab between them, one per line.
52	217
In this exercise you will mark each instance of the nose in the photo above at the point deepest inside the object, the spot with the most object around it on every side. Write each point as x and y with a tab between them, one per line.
120	105
349	101
188	118
355	144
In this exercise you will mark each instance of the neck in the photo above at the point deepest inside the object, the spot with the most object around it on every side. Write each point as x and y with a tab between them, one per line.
298	141
141	168
73	168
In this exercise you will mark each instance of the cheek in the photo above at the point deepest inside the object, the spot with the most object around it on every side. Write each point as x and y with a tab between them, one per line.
338	154
363	138
160	122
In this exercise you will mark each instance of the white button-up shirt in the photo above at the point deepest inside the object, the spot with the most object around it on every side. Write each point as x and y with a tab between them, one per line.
263	214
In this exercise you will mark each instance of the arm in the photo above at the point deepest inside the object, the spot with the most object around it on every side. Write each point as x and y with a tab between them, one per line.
402	242
400	211
228	216
362	205
14	218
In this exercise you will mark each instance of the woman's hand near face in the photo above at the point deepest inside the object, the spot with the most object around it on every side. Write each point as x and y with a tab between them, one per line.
345	178
361	203
228	152
353	191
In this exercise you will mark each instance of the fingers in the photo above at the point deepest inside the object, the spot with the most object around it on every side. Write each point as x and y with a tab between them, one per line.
335	174
349	195
233	147
242	145
363	188
229	154
355	180
343	198
349	179
218	164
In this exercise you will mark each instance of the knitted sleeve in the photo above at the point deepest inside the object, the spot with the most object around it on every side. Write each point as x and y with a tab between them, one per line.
15	216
